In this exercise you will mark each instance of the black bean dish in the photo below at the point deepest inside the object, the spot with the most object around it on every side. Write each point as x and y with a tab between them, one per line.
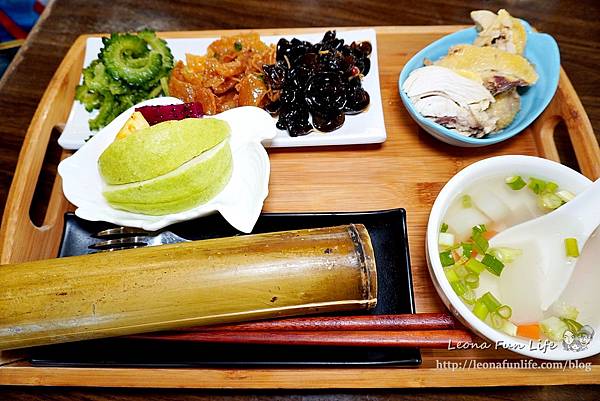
321	80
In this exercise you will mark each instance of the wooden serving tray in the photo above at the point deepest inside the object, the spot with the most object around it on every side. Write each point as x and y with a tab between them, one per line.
408	170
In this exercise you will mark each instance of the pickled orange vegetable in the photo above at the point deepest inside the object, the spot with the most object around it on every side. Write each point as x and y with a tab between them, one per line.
227	76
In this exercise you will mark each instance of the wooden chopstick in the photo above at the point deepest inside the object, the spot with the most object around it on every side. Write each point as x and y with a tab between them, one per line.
426	330
416	321
410	338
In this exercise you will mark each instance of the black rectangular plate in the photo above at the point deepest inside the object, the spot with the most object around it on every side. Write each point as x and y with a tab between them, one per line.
388	233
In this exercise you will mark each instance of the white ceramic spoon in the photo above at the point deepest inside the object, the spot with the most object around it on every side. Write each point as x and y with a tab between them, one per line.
535	280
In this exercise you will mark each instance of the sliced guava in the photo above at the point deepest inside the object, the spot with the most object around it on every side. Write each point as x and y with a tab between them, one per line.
159	149
191	184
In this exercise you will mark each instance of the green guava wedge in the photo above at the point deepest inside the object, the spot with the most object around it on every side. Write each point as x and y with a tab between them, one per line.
193	183
157	150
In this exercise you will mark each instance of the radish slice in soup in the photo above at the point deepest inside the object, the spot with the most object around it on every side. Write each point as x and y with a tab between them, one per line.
461	220
490	204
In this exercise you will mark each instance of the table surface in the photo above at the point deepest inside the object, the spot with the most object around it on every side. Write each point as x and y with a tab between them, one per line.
573	24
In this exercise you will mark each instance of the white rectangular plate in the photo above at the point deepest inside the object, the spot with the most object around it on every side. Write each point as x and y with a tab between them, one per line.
363	128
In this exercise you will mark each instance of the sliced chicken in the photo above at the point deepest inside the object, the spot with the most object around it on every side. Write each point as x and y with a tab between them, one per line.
451	100
505	108
473	89
499	30
499	70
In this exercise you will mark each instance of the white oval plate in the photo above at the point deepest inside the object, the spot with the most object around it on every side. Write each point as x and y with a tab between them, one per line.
240	202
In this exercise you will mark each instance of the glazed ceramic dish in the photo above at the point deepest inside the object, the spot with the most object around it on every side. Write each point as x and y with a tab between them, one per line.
580	284
541	50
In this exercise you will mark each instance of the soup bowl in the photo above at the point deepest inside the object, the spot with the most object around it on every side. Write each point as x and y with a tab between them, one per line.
583	282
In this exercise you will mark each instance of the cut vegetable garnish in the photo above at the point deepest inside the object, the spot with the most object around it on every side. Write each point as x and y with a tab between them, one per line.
496	320
515	182
461	271
459	287
536	185
490	301
529	331
481	228
480	242
573	325
466	201
446	258
572	247
549	201
565	196
461	261
469	296
488	234
444	228
475	266
551	187
467	249
509	328
548	196
480	310
563	310
553	328
493	265
451	275
472	280
446	239
505	255
504	311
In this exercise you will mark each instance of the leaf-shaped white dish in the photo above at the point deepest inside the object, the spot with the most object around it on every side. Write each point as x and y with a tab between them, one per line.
240	202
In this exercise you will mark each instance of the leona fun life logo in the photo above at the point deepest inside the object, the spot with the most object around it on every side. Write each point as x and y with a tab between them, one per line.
577	340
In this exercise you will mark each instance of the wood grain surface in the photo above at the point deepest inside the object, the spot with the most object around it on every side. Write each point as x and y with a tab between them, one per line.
573	24
579	393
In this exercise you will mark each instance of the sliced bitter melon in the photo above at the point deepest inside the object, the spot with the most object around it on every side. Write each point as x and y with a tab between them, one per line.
127	58
89	99
158	45
130	68
96	78
106	114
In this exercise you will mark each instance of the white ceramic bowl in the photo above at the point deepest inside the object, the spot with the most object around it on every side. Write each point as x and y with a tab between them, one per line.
524	165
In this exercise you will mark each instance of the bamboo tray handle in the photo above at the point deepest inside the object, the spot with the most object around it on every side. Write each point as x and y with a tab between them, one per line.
567	107
20	239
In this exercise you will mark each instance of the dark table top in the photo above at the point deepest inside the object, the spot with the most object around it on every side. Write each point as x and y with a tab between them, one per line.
573	23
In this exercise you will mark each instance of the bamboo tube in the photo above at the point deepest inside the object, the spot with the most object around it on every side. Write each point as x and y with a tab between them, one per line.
214	281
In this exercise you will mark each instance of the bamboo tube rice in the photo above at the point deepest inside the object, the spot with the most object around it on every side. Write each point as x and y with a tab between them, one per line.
188	284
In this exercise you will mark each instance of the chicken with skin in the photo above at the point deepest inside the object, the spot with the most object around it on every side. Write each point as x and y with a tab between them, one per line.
499	30
473	89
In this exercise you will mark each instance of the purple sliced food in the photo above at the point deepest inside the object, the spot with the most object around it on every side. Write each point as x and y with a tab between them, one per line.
158	114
